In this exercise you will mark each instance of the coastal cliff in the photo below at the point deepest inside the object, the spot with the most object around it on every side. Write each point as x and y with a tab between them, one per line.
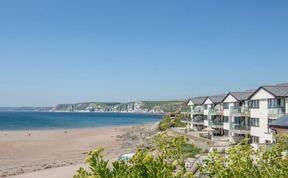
136	107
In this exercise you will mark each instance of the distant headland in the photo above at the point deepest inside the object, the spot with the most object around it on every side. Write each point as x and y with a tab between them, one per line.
129	107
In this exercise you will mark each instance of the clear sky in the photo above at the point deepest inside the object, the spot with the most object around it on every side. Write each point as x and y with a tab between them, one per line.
67	51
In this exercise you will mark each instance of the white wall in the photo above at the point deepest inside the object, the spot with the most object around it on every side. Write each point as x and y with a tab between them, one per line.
208	102
229	99
226	126
262	94
261	113
286	101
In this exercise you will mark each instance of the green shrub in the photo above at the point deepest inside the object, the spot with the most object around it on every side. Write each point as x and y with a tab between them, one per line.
166	163
165	123
168	122
243	161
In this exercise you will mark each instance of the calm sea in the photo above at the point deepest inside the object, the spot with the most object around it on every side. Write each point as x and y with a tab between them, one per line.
46	120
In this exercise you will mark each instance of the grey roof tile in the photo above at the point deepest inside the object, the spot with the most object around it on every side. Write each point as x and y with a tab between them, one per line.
198	100
277	90
217	98
241	96
280	122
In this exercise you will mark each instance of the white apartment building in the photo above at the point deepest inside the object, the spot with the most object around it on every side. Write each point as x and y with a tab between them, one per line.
213	111
266	104
197	113
236	116
241	115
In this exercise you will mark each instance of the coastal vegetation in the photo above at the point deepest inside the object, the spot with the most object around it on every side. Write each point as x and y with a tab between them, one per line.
244	161
166	157
172	120
165	160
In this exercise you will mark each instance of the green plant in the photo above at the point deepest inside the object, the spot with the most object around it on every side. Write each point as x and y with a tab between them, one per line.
166	162
168	122
243	161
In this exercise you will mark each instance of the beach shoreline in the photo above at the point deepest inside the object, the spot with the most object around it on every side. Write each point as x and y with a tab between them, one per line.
26	151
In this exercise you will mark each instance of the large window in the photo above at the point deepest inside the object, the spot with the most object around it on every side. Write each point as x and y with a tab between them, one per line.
226	119
225	105
253	104
276	103
254	122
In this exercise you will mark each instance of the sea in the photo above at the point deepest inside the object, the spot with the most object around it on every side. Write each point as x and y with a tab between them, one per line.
70	120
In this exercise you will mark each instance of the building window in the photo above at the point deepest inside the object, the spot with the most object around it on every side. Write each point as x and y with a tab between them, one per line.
205	106
254	139
237	105
205	117
276	103
253	104
225	105
226	119
254	122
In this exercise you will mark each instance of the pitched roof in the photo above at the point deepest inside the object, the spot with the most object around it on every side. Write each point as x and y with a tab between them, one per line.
280	122
277	90
242	95
198	100
217	98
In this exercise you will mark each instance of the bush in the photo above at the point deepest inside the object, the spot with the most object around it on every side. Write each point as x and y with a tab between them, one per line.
243	161
167	162
168	122
165	123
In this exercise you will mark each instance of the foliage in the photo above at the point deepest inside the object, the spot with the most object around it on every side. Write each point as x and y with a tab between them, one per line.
244	161
168	122
171	144
166	162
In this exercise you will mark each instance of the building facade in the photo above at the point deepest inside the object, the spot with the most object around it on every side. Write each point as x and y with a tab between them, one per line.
240	115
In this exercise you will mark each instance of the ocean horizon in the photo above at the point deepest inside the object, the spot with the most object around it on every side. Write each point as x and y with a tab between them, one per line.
71	120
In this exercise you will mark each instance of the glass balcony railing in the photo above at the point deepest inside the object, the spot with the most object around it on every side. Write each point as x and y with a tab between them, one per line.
215	123
239	110
197	120
215	110
197	110
239	126
276	111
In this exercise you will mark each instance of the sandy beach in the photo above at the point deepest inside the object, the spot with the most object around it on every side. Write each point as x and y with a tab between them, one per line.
60	152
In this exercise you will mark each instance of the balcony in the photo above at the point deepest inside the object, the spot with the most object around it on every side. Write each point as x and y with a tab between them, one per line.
198	121
276	112
240	111
240	128
215	111
216	123
198	110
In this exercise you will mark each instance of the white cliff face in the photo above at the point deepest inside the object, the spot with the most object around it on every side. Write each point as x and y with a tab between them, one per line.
133	107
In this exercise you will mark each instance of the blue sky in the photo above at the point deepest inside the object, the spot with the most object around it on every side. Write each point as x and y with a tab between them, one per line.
61	51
